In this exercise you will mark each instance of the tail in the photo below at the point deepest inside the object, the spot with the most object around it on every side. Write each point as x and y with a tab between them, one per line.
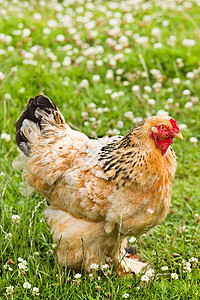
39	114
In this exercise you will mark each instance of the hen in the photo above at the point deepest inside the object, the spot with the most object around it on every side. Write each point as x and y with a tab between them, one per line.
98	191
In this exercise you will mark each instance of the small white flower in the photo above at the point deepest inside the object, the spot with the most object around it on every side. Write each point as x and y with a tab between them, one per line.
174	276
188	105
151	102
109	75
5	136
2	76
137	120
8	235
182	127
35	291
193	260
15	218
94	266
95	78
147	89
135	88
150	272
193	141
22	90
60	38
67	61
27	285
190	75
115	96
158	45
186	92
105	267
50	252
162	112
125	296
46	30
9	290
164	268
145	278
188	43
91	105
84	84
108	91
120	124
129	115
37	17
77	276
176	81
155	32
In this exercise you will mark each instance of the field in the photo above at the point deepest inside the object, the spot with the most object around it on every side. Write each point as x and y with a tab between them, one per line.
106	65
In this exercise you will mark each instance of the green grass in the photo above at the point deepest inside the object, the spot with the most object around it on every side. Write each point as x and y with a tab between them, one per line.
178	237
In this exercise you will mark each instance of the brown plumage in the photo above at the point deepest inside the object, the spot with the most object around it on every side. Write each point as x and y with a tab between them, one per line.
97	190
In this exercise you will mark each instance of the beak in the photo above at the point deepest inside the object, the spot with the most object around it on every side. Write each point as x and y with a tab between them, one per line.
179	136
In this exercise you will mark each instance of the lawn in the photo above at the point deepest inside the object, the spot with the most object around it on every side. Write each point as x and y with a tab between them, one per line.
106	65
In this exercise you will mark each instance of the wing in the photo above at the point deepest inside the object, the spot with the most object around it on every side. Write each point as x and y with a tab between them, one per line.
65	169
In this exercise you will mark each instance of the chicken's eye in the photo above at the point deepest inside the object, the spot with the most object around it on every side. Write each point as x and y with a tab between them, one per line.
163	127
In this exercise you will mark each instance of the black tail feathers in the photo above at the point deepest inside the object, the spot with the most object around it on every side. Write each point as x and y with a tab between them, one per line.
39	102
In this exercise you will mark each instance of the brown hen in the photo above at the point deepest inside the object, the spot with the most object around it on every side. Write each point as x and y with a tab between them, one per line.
98	191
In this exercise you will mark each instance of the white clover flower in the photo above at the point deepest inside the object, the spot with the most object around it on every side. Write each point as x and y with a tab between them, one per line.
27	285
132	240
145	278
182	127
188	43
193	260
164	268
194	100
170	100
8	235
52	23
125	296
135	88
129	115
158	45
2	76
26	32
84	84
137	120
22	90
108	91
20	259
151	102
176	81
15	218
120	124
35	291
109	75
115	96
91	105
94	266
36	254
157	86
5	136
10	289
162	112
60	38
165	23
77	276
193	141
187	269
105	267
96	78
147	89
99	62
113	132
155	32
190	75
46	30
188	105
174	276
150	272
37	17
67	61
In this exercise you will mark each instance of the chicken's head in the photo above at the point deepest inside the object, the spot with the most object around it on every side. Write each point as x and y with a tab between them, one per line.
163	131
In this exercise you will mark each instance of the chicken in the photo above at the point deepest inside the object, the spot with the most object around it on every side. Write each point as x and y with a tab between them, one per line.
98	191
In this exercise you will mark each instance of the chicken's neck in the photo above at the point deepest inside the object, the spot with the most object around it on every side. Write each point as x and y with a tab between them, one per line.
128	163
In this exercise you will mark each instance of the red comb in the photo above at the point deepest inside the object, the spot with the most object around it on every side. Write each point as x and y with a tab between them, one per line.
174	124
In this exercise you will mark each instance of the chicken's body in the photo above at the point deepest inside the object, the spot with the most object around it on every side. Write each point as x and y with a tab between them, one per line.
98	190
